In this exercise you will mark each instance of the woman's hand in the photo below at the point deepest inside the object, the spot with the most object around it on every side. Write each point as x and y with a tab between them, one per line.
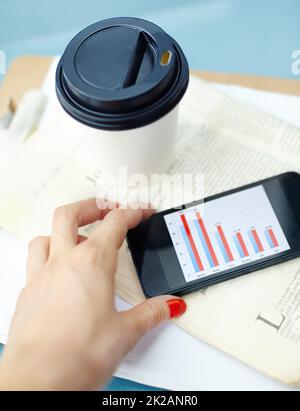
66	332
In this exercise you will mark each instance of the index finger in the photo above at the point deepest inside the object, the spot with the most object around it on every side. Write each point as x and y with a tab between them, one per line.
116	224
68	218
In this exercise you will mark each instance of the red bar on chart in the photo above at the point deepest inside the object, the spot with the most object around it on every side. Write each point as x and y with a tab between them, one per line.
273	238
207	240
257	240
225	243
192	242
242	244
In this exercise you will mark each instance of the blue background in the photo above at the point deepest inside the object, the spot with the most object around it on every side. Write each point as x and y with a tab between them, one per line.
237	36
244	36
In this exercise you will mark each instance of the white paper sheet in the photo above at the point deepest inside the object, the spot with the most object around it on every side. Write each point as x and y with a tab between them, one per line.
167	357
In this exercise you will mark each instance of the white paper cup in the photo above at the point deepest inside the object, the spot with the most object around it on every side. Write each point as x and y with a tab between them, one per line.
145	150
122	79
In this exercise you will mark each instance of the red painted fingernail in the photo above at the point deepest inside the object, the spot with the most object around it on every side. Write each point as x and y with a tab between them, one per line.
177	307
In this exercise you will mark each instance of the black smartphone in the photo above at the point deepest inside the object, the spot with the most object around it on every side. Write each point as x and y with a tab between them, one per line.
219	238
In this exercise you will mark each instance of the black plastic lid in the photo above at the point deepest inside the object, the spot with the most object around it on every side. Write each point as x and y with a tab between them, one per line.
121	73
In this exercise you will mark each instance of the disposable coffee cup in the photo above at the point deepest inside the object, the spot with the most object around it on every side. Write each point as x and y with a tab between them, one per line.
122	80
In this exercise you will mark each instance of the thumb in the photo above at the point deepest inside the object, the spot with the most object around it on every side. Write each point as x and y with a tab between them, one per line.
147	315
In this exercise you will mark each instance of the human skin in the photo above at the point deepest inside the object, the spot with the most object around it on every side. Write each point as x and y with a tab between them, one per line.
66	333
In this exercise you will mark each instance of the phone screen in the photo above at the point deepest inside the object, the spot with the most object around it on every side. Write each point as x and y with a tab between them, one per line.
225	233
221	237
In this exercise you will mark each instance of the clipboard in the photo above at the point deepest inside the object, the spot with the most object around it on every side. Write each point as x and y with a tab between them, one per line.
27	72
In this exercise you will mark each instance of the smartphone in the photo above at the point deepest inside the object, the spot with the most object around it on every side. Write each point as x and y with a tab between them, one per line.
219	238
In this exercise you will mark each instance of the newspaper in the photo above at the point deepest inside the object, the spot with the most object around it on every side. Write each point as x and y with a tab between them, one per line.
255	318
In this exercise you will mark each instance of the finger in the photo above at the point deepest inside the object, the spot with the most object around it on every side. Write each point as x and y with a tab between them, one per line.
116	224
101	248
37	256
67	219
104	242
147	315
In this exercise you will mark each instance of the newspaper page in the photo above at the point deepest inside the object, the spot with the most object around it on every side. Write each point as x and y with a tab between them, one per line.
255	318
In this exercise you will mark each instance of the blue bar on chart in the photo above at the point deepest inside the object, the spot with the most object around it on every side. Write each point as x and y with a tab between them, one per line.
269	239
206	238
238	246
253	242
204	244
189	248
222	248
225	243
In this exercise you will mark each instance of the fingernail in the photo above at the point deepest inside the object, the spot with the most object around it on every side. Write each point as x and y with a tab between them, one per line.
177	307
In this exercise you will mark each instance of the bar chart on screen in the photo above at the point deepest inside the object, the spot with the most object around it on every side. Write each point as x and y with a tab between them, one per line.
226	232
